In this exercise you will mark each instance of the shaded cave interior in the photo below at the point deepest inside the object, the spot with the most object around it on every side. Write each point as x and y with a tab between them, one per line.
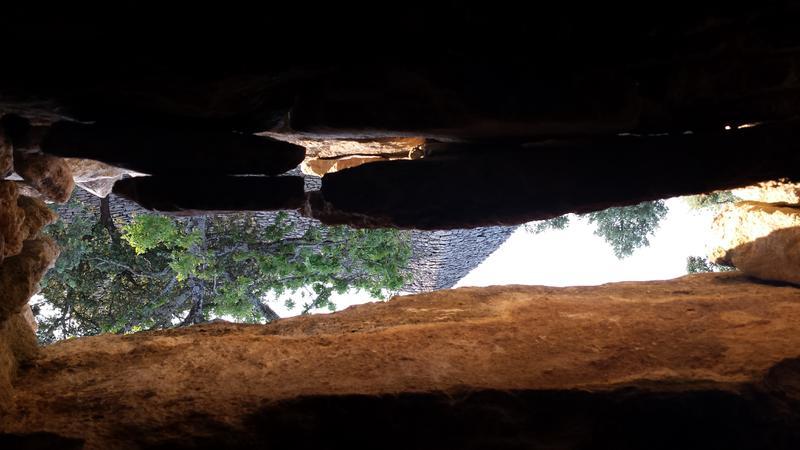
555	114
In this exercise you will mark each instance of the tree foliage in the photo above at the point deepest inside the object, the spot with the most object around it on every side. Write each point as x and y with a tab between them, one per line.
540	226
699	264
625	228
158	271
710	200
628	228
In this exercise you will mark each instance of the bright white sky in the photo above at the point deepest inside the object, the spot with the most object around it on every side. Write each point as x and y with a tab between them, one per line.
575	256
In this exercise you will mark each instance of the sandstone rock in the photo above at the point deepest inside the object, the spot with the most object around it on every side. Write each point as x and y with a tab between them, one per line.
770	192
49	175
20	274
6	155
612	366
12	219
173	151
760	239
190	195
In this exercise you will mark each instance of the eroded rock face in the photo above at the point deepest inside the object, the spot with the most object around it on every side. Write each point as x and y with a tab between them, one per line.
49	175
37	216
21	218
6	155
760	239
20	274
96	177
17	345
770	192
621	365
11	220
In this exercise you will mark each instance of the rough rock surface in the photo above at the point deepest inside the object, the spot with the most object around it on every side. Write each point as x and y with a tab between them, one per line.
96	177
440	259
760	239
770	192
37	216
319	167
319	147
6	155
20	274
11	220
17	345
21	218
49	175
622	365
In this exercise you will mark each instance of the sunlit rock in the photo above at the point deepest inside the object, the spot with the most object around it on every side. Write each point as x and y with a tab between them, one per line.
760	239
770	192
613	366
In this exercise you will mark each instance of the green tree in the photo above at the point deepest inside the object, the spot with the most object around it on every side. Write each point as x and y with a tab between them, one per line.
710	200
628	228
698	264
157	271
99	284
540	226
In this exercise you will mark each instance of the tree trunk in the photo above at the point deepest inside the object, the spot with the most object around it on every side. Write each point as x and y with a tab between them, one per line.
107	220
264	310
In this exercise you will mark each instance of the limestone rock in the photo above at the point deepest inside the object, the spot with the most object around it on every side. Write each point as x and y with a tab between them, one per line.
49	175
596	367
20	274
760	239
6	155
770	192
